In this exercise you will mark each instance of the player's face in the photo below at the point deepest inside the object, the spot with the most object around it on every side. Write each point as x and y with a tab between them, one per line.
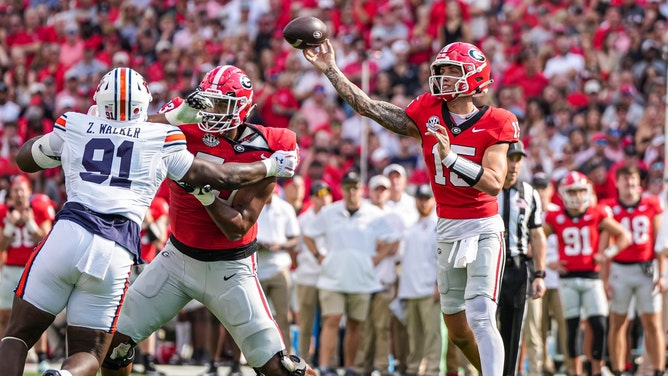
629	185
451	75
20	195
580	196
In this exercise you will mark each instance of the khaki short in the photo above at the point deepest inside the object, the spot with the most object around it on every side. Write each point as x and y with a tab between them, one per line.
355	306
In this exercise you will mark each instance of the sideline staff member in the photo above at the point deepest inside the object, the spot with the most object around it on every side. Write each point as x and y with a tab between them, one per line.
521	209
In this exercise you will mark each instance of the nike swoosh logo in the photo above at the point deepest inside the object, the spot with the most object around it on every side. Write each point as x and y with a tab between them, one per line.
263	156
229	276
476	130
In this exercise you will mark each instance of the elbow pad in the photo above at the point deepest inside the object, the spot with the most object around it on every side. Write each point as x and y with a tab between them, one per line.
43	155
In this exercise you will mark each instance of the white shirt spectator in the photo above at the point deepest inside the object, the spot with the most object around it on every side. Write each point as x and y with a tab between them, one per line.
418	263
308	269
563	65
351	243
276	223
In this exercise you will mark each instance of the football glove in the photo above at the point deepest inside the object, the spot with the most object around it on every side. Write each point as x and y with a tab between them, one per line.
179	111
282	163
205	195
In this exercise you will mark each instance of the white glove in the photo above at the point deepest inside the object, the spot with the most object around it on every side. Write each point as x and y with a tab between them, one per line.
282	163
179	111
205	195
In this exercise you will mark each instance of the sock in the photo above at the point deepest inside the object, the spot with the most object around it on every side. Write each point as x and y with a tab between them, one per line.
481	316
41	356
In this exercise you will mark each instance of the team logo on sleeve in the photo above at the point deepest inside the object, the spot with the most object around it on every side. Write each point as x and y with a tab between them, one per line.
210	140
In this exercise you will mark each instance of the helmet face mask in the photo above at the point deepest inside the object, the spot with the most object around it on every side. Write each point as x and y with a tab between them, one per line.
122	95
231	92
459	57
576	191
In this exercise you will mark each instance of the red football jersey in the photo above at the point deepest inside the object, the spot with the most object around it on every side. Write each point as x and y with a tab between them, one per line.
158	208
578	236
455	199
638	221
22	245
189	220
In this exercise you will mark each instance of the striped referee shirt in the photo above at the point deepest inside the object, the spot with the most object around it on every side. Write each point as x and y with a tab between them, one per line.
521	210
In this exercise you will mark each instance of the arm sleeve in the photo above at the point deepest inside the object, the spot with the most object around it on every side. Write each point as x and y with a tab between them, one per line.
178	164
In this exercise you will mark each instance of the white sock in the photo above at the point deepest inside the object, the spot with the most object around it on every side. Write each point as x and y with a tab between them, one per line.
481	316
64	372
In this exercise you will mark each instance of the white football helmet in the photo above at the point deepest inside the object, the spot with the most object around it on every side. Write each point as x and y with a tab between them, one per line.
575	191
123	95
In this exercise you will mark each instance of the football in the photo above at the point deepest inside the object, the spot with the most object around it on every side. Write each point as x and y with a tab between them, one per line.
305	32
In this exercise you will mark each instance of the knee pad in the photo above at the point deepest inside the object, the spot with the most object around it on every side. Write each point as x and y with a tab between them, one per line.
598	328
120	356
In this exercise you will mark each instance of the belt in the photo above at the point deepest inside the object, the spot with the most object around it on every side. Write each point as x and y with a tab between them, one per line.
515	261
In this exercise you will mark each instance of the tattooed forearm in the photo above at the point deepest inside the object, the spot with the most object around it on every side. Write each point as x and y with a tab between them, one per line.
386	114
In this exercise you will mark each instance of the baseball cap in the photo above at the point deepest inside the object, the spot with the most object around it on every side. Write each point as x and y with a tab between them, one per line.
379	181
516	148
320	189
423	191
163	45
540	180
351	177
599	137
394	167
592	87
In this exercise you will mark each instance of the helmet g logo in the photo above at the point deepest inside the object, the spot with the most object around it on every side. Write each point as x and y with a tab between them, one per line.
246	82
476	54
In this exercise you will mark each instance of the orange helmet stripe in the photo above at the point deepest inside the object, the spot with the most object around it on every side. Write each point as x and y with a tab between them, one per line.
123	95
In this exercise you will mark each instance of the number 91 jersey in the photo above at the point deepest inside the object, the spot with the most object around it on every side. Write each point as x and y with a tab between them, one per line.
455	199
578	237
116	167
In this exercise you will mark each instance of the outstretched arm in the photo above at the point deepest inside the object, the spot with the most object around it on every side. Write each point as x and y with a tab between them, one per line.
230	176
386	114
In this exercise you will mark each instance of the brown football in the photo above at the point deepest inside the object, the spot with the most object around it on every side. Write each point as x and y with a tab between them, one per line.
305	32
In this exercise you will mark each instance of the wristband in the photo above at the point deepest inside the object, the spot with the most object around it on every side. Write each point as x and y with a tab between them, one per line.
272	168
539	274
8	231
32	226
611	251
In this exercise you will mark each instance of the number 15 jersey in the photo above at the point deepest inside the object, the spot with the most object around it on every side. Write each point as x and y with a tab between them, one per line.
455	199
116	167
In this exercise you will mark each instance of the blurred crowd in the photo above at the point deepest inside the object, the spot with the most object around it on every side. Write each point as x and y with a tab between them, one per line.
586	78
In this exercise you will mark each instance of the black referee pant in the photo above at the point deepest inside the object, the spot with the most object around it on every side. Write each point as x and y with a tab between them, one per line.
510	310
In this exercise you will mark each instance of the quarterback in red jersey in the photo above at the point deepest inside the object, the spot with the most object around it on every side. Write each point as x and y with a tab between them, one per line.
633	272
464	148
211	253
578	226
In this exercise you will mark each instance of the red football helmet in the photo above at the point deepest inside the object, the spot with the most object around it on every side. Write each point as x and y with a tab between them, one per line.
475	71
575	181
231	92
